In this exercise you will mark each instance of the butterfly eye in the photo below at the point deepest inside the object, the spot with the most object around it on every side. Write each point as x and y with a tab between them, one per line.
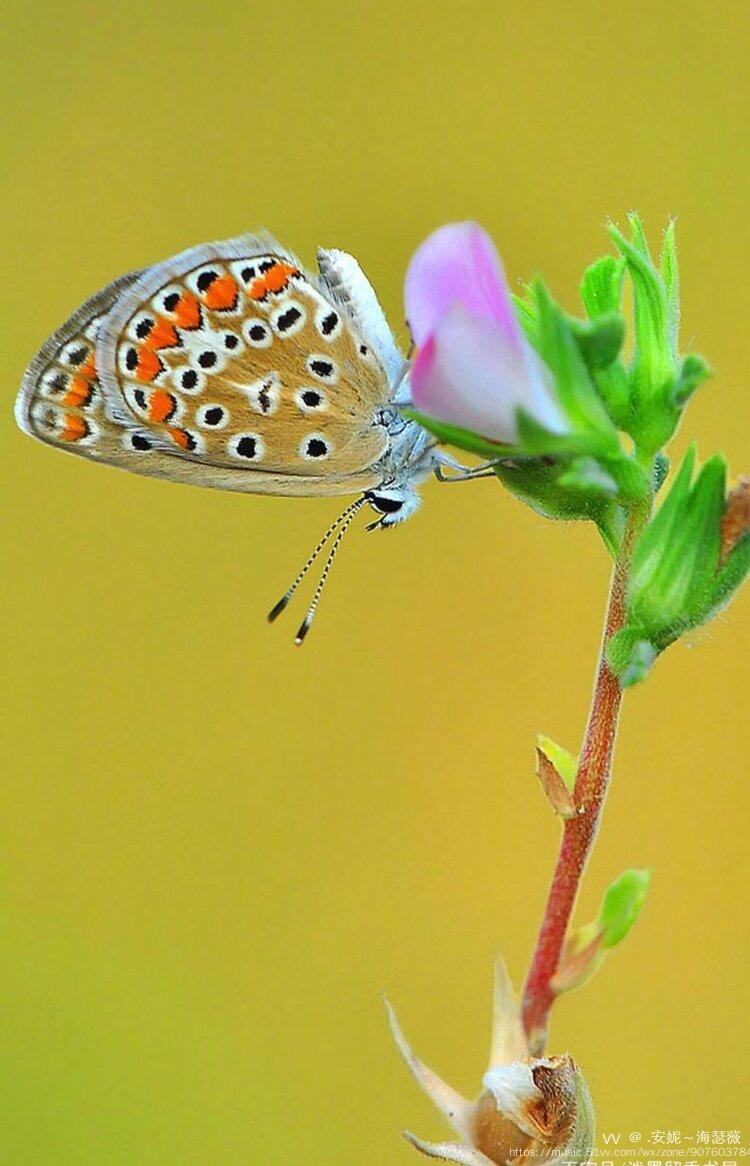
323	368
289	319
188	380
314	447
247	447
310	400
257	334
212	417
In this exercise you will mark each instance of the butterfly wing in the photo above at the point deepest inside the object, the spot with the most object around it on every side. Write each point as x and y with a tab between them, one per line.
225	366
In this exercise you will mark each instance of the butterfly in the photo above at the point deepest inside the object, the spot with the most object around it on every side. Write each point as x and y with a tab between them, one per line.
231	366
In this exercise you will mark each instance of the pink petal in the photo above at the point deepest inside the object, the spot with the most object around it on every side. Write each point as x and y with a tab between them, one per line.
457	264
471	373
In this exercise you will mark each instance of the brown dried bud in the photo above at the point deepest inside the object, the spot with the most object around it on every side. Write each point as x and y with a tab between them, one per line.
532	1110
736	519
528	1110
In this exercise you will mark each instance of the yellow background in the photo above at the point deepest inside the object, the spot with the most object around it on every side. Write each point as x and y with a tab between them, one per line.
218	850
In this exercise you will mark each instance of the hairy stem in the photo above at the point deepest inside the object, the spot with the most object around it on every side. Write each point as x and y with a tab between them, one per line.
579	834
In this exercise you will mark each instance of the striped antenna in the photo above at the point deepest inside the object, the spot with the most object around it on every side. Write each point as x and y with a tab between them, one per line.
346	520
279	607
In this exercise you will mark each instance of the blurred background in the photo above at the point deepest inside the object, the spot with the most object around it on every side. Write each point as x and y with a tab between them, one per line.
219	850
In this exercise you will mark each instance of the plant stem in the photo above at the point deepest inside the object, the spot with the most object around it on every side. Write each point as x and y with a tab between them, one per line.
590	791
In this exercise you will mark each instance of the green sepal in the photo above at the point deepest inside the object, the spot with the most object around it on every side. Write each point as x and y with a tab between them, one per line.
460	438
600	340
622	905
671	278
577	395
601	286
589	477
537	483
694	370
613	385
526	315
661	470
630	656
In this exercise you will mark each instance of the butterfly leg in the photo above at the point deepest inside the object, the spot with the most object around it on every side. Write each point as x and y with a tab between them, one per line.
467	473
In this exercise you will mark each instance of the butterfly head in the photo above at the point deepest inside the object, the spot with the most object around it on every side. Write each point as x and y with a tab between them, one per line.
393	503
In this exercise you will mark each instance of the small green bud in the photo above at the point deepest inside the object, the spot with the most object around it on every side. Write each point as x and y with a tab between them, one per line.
622	905
660	381
586	947
687	563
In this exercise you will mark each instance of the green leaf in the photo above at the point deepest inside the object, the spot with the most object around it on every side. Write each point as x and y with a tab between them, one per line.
564	761
586	947
601	287
621	905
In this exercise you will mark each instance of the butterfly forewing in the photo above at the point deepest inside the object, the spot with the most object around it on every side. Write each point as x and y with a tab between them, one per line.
233	356
226	366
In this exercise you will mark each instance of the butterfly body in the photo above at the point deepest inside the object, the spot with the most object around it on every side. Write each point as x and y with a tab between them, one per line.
230	366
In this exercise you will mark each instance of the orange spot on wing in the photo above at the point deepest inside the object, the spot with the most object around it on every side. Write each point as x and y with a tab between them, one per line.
161	405
149	366
222	293
179	436
187	311
74	429
80	392
88	370
273	280
277	277
162	335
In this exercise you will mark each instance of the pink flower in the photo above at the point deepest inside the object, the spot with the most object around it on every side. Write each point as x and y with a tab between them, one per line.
474	367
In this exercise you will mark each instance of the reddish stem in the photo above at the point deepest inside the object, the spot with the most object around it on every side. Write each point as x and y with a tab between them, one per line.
580	832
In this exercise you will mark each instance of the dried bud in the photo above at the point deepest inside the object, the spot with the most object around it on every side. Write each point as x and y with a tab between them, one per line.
736	520
531	1109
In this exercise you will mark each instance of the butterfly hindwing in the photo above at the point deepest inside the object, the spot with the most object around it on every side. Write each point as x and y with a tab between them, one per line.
231	355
